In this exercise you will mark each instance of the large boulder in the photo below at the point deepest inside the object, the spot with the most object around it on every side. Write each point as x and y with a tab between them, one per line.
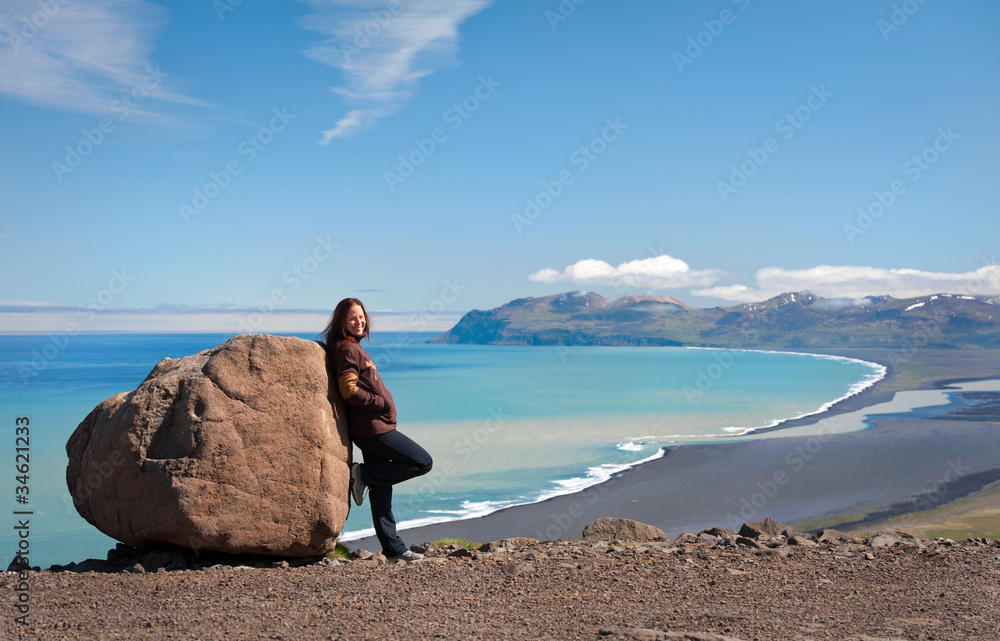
242	448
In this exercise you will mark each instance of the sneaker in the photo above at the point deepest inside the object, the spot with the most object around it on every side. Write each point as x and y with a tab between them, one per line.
358	486
409	557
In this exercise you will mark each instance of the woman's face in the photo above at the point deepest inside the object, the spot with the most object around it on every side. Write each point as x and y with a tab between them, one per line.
354	324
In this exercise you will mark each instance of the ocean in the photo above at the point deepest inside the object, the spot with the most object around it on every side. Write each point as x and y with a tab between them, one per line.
506	425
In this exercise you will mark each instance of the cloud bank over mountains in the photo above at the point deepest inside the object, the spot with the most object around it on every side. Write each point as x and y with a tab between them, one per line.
828	281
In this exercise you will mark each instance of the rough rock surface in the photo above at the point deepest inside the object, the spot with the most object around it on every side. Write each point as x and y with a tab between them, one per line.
767	527
239	449
610	529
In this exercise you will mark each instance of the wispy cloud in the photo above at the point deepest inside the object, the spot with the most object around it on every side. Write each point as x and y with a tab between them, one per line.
833	281
80	56
383	49
658	272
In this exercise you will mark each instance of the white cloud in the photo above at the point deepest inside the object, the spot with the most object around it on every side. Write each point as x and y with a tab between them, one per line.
80	56
658	272
354	120
845	281
383	49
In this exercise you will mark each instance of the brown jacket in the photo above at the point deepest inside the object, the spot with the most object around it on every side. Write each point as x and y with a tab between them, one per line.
362	390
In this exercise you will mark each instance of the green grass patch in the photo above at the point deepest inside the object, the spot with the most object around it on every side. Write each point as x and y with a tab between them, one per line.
340	551
465	543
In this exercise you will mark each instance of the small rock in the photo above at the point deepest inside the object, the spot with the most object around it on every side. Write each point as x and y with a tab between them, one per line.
707	539
685	537
97	565
883	541
608	528
492	546
768	527
460	553
750	543
155	559
362	554
520	567
136	569
804	541
830	535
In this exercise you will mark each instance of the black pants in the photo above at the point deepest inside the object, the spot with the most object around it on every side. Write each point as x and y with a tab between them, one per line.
390	458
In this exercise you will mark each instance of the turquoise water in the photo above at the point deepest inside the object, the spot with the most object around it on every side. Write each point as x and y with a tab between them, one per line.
505	425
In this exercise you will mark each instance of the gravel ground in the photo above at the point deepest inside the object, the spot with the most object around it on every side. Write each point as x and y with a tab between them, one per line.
704	588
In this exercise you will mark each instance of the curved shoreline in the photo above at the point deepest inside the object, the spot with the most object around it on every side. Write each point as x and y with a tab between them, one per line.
856	390
699	467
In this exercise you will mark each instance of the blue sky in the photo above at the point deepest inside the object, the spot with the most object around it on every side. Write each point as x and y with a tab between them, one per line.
235	166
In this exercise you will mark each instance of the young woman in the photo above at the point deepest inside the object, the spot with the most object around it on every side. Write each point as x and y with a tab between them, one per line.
389	456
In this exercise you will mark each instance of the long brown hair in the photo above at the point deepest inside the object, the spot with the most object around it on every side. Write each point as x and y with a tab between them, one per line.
335	328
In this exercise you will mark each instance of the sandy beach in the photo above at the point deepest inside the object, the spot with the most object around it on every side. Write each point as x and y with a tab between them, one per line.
857	480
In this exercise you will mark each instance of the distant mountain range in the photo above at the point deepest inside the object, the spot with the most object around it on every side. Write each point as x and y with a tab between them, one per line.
793	320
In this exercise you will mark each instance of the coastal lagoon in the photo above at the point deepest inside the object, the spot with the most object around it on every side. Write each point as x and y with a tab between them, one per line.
506	425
